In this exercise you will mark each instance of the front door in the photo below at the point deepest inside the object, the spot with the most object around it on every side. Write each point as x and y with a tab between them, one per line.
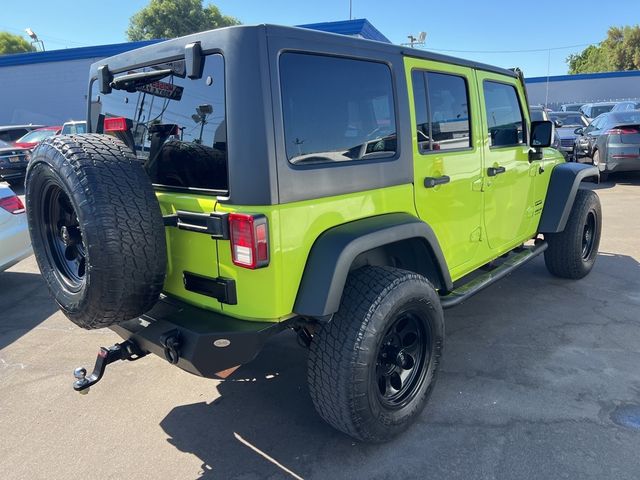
508	175
447	157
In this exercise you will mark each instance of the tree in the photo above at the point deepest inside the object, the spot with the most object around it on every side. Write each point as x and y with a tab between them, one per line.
619	51
175	18
10	43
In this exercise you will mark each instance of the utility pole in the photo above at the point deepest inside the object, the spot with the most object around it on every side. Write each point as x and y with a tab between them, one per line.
350	9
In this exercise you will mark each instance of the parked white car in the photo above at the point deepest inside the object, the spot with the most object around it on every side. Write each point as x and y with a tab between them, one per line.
15	243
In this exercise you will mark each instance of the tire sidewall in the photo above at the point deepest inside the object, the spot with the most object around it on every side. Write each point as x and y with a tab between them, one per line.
39	175
590	206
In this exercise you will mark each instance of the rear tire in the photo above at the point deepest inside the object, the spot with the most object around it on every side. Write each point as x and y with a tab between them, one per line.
573	252
373	366
96	229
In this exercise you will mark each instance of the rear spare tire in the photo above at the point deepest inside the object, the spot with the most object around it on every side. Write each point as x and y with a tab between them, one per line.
96	228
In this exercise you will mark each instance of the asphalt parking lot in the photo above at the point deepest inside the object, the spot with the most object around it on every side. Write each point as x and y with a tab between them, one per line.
540	380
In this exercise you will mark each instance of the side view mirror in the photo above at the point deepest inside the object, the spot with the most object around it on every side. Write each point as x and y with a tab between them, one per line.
557	123
579	131
541	134
541	137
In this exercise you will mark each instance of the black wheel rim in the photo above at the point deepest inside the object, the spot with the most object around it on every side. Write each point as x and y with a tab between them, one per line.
64	244
588	235
402	360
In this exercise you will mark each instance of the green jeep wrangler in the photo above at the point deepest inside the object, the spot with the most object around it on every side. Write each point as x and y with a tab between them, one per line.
245	180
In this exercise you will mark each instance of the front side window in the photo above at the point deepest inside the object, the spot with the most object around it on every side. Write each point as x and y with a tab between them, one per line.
504	115
442	111
336	109
174	124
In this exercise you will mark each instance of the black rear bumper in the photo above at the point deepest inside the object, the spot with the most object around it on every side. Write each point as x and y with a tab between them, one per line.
207	342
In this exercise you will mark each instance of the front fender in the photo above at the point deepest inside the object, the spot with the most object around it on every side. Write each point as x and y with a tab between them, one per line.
334	251
563	187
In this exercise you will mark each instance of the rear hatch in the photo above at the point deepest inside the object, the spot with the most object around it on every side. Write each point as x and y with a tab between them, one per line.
176	126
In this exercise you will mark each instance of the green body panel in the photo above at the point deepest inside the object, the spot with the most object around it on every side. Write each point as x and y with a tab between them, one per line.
476	218
267	294
453	210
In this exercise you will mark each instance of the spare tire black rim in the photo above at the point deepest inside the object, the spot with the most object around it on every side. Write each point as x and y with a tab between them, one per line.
402	360
64	244
588	236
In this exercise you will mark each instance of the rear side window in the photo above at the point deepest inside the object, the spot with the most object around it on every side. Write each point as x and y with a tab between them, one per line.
442	111
336	109
12	135
175	125
504	115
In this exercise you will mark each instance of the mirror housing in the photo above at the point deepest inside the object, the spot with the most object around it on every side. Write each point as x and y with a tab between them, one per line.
558	123
541	134
579	131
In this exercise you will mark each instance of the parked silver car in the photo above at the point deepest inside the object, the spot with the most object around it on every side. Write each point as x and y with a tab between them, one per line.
566	124
15	243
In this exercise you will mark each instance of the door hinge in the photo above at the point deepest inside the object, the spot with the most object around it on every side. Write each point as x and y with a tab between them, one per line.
476	235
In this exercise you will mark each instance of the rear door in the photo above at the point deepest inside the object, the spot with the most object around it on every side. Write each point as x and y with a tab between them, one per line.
508	175
447	154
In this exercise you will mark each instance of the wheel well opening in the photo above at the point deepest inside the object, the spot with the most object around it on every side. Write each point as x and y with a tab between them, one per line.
412	254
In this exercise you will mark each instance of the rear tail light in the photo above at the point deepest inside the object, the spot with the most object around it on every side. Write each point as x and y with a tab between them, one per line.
622	131
249	240
12	205
115	124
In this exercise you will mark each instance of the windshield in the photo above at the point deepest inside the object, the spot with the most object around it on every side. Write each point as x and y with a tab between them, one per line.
176	125
4	144
600	109
569	119
37	135
536	115
626	117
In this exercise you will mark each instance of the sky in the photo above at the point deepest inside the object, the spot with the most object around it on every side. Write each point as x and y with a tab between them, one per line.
536	35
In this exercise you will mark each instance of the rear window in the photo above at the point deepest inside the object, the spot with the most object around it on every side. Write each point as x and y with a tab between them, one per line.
336	109
600	109
175	125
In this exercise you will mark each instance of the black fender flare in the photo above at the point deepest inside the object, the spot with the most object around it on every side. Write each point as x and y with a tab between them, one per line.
563	187
334	251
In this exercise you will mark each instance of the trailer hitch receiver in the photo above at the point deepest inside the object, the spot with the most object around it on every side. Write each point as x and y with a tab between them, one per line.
127	350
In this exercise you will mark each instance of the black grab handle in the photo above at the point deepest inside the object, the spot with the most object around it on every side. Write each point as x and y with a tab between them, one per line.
493	171
431	182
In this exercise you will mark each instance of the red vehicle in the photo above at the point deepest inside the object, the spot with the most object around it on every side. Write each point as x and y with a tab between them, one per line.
31	139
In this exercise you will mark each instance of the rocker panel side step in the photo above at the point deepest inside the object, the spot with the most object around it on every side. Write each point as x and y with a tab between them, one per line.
514	261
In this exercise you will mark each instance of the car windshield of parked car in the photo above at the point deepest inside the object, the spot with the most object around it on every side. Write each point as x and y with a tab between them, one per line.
626	117
536	115
600	109
569	119
37	135
4	144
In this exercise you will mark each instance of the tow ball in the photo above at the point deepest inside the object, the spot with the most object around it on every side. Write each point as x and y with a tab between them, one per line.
127	350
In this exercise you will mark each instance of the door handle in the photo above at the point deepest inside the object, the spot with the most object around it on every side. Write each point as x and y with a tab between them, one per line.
431	182
493	171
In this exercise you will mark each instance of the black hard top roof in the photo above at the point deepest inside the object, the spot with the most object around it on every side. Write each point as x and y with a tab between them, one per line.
213	38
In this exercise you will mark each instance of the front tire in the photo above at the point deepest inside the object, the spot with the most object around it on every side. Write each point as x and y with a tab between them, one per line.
373	366
573	252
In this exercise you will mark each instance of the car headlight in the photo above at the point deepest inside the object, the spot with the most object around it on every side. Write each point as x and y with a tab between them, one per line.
27	156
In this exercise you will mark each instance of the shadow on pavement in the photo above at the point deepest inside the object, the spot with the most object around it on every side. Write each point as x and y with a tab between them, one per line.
24	304
622	178
265	406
